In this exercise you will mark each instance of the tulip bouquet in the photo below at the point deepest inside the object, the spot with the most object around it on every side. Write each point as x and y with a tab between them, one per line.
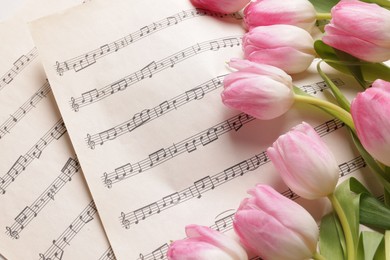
278	43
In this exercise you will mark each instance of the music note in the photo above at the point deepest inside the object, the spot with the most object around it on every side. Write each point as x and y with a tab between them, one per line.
121	172
110	134
156	156
144	29
210	136
104	49
89	96
75	106
148	70
141	118
118	86
195	93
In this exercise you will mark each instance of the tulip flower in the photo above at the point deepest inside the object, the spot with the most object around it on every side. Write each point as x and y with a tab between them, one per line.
221	6
371	114
287	47
275	227
360	29
304	162
260	90
203	243
300	13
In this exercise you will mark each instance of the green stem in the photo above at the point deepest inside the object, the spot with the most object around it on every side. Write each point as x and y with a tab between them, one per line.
318	256
323	16
343	114
344	223
387	244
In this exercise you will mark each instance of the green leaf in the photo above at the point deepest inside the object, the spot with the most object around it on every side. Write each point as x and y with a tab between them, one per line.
323	6
332	241
364	72
348	195
387	244
374	213
380	252
369	243
383	3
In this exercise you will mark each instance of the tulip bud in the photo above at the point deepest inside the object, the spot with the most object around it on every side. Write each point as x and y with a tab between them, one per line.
260	90
300	13
287	47
221	6
275	227
360	29
304	162
203	243
371	114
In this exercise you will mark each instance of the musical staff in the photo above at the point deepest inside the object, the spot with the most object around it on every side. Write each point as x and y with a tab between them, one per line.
147	115
34	153
225	223
17	67
90	58
210	182
195	191
108	255
188	145
57	249
197	93
31	103
154	67
24	218
320	86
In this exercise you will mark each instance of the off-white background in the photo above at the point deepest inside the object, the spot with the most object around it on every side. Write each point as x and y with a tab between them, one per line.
7	9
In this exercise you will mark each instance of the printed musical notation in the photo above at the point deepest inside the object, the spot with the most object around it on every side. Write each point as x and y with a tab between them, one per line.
17	67
154	67
23	219
210	182
225	223
195	191
56	250
147	115
320	86
35	152
108	255
88	59
189	145
31	103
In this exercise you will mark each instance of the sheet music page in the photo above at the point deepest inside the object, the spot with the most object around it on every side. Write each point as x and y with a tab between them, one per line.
46	210
138	84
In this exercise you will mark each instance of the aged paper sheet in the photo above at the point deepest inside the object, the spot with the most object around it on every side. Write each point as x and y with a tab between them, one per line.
138	84
46	210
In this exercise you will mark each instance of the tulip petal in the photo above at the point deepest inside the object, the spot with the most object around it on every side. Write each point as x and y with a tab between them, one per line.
210	236
299	13
284	57
222	6
370	112
356	47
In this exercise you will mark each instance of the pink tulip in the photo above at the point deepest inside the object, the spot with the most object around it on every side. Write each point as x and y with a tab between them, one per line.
360	29
204	243
371	114
300	13
287	47
275	227
221	6
260	90
304	162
